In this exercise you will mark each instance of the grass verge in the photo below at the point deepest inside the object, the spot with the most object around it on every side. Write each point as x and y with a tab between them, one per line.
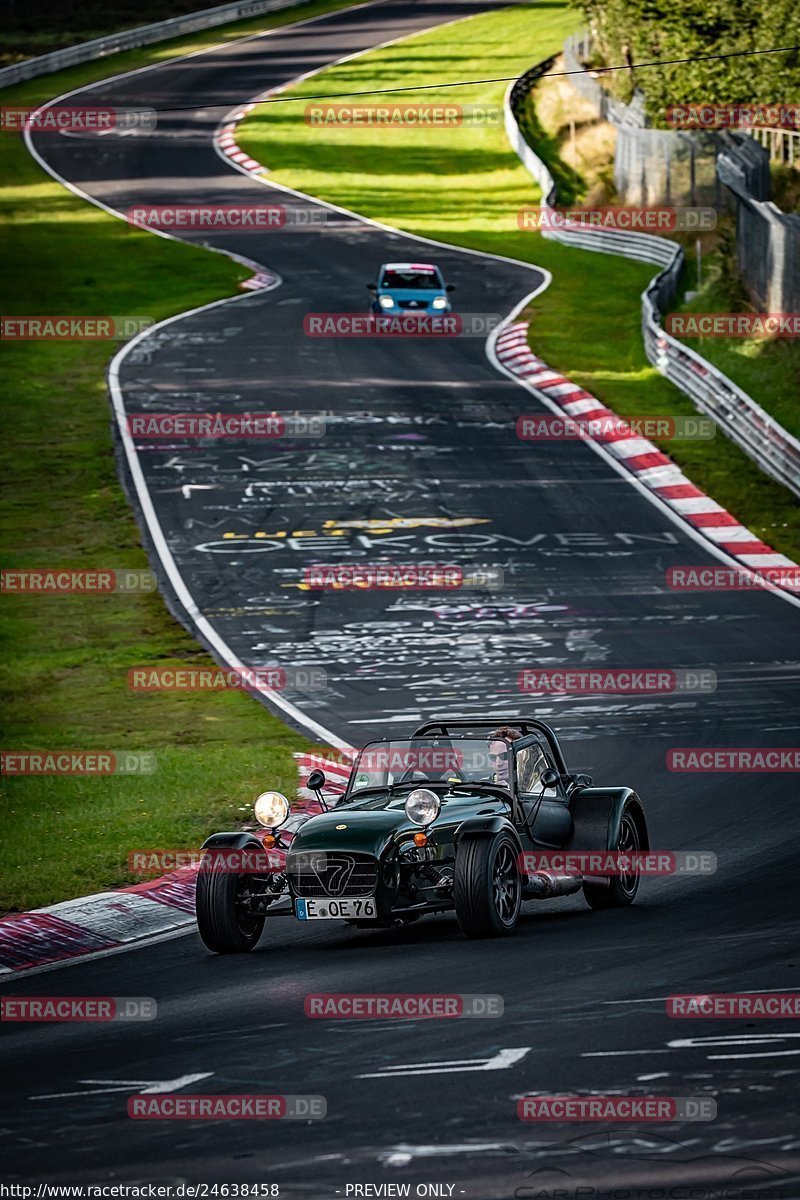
464	185
579	151
38	26
65	658
768	369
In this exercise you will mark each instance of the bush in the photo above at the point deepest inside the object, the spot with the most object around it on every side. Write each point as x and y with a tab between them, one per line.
649	31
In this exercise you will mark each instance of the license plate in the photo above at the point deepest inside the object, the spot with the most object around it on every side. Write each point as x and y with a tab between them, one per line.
361	909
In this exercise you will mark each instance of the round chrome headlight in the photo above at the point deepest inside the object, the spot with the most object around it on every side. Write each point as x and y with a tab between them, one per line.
422	806
271	809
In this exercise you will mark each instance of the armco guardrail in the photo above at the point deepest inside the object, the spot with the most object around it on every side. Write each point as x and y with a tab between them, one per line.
651	166
761	437
577	49
130	39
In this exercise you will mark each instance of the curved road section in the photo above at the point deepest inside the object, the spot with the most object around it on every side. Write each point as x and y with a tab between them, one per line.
420	463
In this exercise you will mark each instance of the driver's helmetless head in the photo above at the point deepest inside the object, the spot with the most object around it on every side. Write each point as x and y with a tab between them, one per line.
499	742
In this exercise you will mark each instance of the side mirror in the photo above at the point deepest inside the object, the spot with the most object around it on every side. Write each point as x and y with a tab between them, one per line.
550	778
451	287
372	287
316	780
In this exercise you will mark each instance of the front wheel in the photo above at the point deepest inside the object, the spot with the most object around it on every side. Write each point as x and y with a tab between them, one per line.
623	887
221	904
487	886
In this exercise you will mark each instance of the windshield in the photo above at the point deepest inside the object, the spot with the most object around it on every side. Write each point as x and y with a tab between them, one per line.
416	279
417	760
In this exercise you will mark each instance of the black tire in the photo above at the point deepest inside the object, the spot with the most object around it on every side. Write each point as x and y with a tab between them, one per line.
623	888
487	885
223	926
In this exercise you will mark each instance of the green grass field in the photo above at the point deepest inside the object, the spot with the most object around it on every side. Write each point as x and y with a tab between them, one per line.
39	26
65	659
464	185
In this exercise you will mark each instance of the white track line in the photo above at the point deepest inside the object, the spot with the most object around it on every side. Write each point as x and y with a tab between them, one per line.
154	527
156	532
599	448
159	541
241	111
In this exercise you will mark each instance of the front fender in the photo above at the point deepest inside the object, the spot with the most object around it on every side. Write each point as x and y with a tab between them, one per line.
232	841
596	816
485	827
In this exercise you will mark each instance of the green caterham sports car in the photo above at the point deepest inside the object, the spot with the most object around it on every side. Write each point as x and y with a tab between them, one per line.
468	815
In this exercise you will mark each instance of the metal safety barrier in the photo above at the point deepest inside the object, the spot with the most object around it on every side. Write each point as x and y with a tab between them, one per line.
758	434
130	39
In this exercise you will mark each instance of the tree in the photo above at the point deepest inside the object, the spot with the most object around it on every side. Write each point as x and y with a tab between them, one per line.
653	29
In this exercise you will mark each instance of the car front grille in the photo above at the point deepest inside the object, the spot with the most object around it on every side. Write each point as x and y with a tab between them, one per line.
320	873
416	305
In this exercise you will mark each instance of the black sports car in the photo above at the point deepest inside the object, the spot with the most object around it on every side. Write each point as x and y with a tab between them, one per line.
451	818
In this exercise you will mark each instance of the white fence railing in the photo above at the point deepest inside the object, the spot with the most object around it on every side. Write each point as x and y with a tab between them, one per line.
761	437
783	145
130	39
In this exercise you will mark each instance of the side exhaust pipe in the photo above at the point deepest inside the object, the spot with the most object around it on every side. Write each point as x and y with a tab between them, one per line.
543	885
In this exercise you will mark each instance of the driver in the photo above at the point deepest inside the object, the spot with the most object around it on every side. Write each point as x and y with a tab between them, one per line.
499	750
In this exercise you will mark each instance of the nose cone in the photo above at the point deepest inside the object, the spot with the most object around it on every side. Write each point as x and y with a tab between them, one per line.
365	830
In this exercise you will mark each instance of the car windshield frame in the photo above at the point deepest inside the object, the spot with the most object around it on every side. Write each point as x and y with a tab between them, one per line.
399	745
434	281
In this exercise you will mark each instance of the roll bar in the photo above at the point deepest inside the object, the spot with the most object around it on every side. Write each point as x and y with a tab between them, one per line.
525	725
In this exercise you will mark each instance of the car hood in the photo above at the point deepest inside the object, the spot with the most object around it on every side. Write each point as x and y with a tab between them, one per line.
348	829
368	829
425	295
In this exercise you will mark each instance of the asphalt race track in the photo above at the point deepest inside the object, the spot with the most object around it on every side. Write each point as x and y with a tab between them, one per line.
420	463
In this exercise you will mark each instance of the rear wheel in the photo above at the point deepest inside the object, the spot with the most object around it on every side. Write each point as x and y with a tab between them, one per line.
487	886
623	887
222	905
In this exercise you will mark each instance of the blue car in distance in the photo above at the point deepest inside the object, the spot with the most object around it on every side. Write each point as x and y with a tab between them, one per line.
407	288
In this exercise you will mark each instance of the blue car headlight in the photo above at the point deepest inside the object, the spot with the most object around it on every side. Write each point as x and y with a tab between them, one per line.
439	302
386	301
